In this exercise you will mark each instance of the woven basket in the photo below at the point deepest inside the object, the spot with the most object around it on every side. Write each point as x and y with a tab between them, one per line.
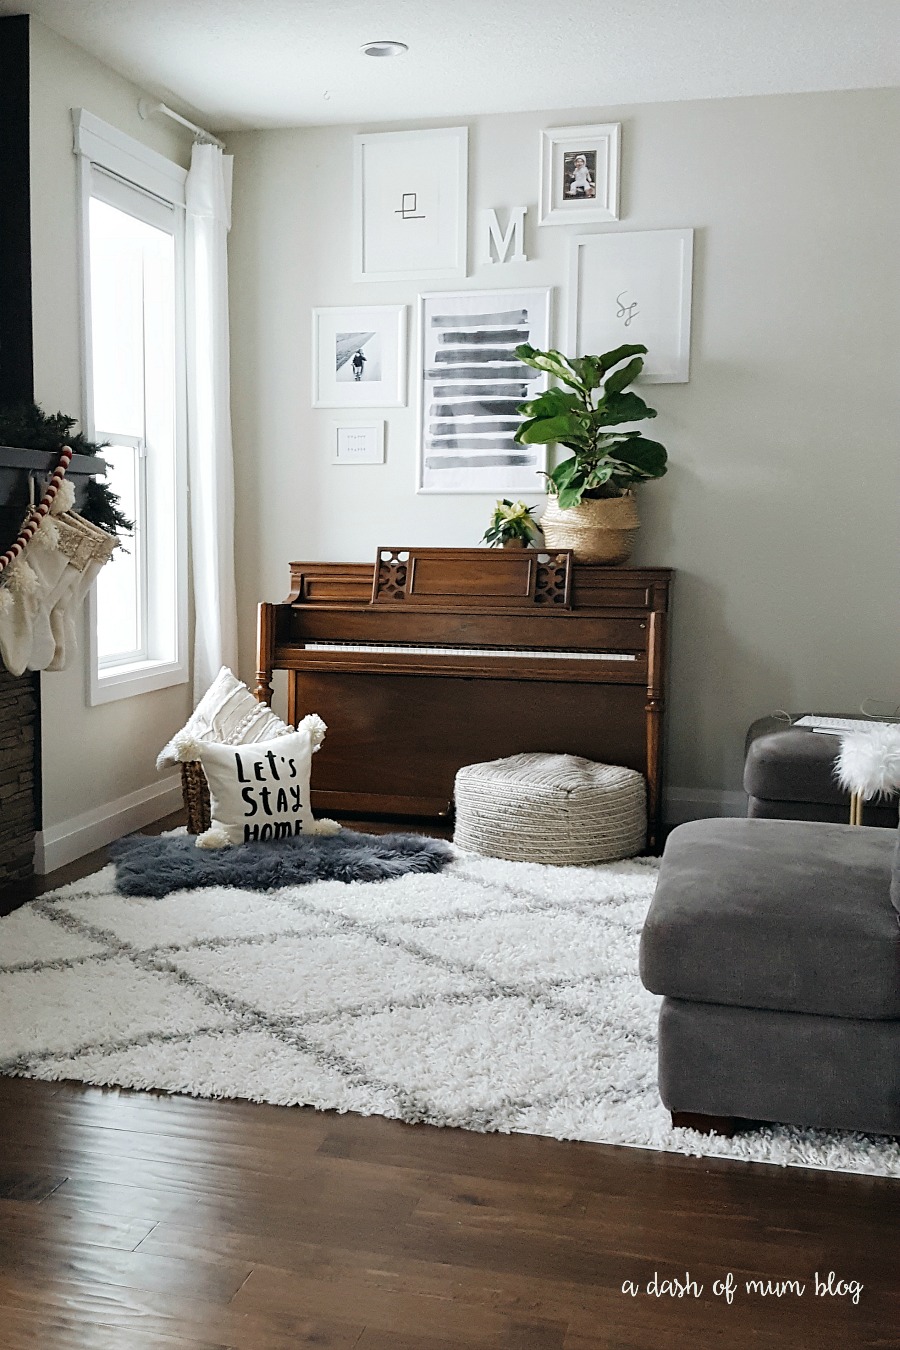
557	809
597	531
195	790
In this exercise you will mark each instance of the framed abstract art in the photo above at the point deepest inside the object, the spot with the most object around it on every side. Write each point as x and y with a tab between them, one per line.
470	386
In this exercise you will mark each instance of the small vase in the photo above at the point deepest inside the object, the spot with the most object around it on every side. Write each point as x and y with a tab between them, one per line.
514	542
597	531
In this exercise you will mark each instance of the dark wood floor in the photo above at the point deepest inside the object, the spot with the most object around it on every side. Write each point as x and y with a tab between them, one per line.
135	1220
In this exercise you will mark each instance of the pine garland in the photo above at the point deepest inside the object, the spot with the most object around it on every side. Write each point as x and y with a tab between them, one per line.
27	427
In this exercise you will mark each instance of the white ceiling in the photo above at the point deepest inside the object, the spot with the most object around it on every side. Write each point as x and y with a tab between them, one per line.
270	63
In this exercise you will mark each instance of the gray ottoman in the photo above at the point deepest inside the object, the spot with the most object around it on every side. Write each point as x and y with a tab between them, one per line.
789	775
776	945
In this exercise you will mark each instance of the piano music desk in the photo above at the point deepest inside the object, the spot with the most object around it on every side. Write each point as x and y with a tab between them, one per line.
470	659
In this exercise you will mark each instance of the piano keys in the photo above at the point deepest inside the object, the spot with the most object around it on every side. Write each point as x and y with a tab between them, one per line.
434	658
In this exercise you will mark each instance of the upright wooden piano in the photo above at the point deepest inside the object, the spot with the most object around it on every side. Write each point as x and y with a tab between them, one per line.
434	658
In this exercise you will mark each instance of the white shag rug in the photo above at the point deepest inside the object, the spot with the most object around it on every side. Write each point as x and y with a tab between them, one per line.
492	996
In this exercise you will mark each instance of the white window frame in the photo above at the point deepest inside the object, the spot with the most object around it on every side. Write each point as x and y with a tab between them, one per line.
97	144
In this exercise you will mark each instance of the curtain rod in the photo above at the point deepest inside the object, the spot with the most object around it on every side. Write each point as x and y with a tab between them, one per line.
147	109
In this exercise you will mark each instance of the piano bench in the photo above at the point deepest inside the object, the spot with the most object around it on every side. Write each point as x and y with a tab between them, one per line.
556	809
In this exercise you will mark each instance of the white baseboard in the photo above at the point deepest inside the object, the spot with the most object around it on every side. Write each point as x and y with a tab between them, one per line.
683	804
64	843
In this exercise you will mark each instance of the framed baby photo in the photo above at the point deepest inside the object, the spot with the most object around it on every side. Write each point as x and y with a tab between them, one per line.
359	357
580	174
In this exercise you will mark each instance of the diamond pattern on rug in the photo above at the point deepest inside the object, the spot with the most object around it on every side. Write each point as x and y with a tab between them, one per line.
30	938
534	1052
408	899
494	996
513	946
255	1065
184	917
341	972
96	1002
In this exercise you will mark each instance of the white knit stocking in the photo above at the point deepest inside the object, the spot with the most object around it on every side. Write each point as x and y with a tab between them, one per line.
20	596
87	549
48	564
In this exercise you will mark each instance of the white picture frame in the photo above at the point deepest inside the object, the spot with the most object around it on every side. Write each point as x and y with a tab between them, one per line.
467	405
634	286
376	334
410	204
357	441
580	174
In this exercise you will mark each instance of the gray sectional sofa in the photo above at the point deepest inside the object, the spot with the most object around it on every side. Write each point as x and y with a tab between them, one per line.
776	946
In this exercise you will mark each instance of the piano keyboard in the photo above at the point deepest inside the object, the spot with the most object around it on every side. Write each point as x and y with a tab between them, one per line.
392	649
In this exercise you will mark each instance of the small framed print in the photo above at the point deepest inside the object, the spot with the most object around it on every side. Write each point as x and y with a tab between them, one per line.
580	174
358	442
359	357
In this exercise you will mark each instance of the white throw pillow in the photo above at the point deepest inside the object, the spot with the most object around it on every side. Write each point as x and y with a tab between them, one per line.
227	714
260	792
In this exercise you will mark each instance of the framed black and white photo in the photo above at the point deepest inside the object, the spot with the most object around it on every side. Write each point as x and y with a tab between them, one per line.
634	286
410	204
580	174
358	441
470	386
359	357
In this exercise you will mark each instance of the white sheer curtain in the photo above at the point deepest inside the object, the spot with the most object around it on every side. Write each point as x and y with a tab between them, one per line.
210	459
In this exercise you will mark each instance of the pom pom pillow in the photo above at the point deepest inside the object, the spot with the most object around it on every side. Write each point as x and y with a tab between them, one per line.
227	714
260	792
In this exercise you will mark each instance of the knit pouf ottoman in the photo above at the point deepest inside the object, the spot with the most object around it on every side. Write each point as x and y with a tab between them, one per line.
554	809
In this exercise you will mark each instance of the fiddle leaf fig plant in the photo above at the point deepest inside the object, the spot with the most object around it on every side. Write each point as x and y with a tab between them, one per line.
605	463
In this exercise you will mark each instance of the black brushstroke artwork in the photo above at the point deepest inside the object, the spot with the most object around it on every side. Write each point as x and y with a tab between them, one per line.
515	318
483	407
452	392
477	443
512	371
482	424
503	336
473	390
519	461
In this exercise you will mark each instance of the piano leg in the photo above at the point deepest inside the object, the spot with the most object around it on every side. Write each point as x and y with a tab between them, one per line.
265	653
654	775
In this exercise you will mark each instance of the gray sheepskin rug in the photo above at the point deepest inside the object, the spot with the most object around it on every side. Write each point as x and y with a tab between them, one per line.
157	865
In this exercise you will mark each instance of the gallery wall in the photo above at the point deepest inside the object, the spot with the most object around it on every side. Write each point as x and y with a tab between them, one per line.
99	770
780	508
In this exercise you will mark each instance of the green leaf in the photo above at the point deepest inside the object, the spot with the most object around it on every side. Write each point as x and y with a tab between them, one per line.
610	359
550	404
621	379
601	473
553	362
544	430
571	495
647	457
616	408
589	370
563	475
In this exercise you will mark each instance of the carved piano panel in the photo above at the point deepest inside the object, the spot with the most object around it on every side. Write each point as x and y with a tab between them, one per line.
476	667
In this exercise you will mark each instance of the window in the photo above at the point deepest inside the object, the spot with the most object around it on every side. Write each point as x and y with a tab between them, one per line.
134	377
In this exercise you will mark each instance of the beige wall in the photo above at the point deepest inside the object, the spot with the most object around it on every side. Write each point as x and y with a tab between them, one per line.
781	508
92	757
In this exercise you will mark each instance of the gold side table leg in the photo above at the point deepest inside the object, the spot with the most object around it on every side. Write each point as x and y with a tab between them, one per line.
856	808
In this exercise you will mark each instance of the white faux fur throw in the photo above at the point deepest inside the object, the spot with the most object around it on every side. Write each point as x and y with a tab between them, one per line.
868	762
